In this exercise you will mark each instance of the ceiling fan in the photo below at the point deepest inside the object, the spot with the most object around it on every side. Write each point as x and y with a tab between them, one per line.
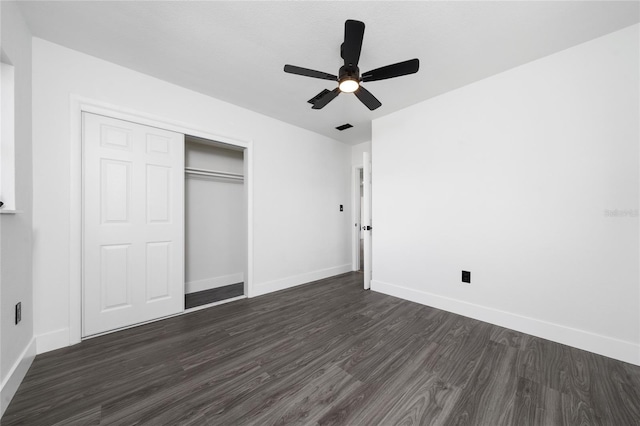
349	78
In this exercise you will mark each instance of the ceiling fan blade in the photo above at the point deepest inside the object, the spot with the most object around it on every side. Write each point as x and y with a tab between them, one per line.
353	34
292	69
324	100
396	70
367	98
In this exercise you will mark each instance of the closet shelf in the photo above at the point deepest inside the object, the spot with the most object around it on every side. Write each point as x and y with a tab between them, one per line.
213	173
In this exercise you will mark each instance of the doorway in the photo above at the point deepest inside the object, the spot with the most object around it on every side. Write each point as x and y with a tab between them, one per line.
360	221
215	248
367	228
357	247
362	230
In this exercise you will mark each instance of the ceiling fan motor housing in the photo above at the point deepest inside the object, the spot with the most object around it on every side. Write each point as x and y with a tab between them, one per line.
348	73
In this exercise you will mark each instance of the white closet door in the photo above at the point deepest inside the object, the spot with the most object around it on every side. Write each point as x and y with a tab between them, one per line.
133	228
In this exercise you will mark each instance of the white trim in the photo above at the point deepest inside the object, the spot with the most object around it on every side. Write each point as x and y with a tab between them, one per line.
16	374
599	344
367	218
80	104
53	340
75	221
8	135
248	188
214	282
295	280
355	217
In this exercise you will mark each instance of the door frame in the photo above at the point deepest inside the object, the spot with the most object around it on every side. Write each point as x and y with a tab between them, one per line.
78	105
367	193
356	217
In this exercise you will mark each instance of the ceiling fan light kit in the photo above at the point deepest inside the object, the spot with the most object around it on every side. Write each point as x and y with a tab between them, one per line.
348	85
349	79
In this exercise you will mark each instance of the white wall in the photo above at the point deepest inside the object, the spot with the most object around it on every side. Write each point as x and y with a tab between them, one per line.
356	152
16	341
215	228
300	178
512	178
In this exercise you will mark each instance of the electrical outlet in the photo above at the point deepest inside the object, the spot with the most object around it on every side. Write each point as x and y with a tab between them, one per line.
18	312
466	277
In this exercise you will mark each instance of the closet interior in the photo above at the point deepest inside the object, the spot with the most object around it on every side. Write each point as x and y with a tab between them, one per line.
215	222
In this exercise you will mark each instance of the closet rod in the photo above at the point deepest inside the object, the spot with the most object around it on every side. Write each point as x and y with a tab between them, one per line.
213	173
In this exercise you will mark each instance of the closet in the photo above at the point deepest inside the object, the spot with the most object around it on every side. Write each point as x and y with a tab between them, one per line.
164	223
215	252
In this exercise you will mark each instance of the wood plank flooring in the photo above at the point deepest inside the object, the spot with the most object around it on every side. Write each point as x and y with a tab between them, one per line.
327	353
204	297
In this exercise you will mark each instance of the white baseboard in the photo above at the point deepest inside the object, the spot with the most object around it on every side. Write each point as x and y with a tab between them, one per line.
215	282
15	376
288	282
602	345
53	340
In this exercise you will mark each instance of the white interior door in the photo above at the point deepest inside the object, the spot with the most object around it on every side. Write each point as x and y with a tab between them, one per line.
357	218
133	223
366	217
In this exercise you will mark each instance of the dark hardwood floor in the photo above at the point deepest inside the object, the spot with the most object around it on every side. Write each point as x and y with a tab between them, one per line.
204	297
325	353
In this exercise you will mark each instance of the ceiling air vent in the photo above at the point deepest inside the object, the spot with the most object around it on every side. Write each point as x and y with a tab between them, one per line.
313	100
344	127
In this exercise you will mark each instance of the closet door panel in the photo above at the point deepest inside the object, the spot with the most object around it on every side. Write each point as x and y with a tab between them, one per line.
115	191
158	194
133	222
158	144
158	271
115	280
116	137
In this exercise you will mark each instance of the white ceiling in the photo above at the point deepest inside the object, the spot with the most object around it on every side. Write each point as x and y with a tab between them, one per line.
235	51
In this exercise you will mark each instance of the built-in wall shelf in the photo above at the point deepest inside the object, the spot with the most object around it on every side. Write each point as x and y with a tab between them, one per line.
213	173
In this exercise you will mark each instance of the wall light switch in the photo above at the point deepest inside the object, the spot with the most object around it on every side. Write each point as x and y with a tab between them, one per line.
466	277
341	209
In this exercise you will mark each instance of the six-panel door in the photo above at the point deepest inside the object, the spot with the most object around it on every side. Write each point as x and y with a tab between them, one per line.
133	223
